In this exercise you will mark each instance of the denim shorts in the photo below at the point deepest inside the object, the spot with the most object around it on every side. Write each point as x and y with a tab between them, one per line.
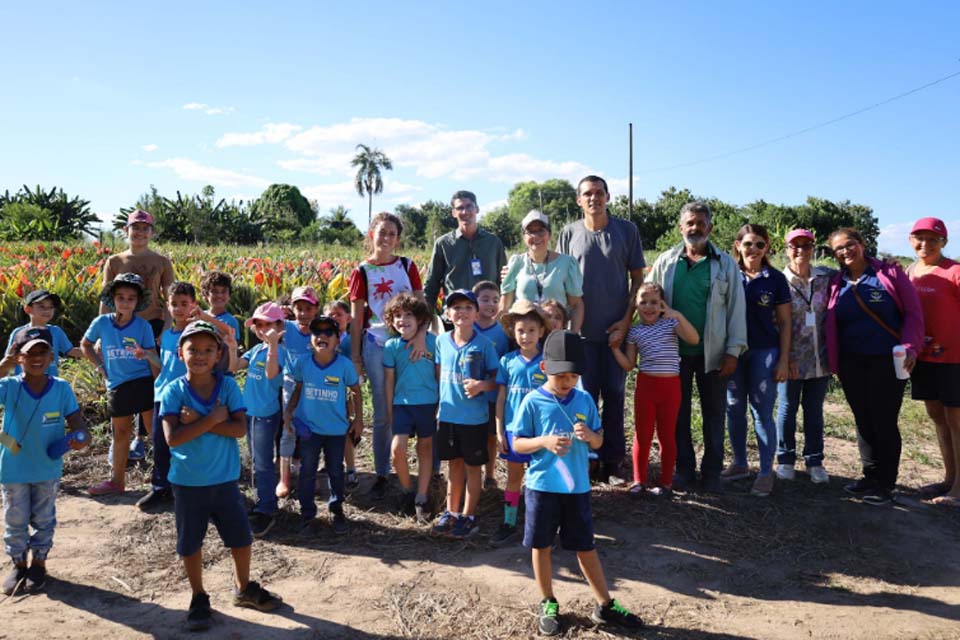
547	512
415	419
195	507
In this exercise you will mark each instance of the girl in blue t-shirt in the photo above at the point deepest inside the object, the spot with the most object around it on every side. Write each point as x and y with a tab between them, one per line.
126	342
766	361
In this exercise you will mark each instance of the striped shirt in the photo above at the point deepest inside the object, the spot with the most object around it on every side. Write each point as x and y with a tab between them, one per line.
657	346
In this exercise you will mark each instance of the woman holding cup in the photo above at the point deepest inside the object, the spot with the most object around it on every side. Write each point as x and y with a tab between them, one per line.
872	308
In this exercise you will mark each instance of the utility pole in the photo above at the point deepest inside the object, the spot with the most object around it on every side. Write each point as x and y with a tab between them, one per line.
630	175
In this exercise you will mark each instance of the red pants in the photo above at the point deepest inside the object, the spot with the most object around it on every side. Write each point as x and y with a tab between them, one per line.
656	402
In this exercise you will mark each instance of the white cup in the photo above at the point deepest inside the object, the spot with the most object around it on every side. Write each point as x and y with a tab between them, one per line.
899	360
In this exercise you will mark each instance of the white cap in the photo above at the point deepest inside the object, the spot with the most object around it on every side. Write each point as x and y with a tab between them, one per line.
535	216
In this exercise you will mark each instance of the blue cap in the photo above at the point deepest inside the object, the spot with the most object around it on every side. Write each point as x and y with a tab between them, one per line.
461	294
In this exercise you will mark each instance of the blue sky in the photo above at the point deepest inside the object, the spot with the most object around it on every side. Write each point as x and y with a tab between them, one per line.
105	99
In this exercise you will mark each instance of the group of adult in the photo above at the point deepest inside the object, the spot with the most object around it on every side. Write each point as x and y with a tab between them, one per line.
768	337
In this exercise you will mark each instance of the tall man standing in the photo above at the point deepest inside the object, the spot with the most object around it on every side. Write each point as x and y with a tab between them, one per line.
464	256
703	283
609	252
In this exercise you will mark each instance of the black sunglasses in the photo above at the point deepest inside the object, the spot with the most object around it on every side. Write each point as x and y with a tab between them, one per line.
759	244
324	331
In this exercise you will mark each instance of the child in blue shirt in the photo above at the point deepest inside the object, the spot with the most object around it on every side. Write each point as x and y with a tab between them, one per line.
41	307
203	417
261	395
35	408
556	424
488	301
412	393
340	311
125	342
318	411
216	287
519	374
468	364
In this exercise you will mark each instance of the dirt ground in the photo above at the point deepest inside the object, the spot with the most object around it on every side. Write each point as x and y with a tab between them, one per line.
806	563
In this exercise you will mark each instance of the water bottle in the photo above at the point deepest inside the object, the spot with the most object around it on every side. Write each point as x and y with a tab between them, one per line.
61	446
899	359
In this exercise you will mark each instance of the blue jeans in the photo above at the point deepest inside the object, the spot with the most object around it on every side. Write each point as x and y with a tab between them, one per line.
711	387
25	505
161	453
261	435
288	441
792	395
310	448
382	436
604	379
752	383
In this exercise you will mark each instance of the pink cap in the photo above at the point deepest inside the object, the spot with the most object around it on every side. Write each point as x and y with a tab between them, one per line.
304	293
139	215
269	312
800	233
934	225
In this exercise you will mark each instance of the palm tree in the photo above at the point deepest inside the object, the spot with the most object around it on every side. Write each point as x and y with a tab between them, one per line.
369	163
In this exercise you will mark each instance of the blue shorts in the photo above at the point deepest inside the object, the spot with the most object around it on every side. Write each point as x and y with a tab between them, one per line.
195	507
511	455
547	512
415	419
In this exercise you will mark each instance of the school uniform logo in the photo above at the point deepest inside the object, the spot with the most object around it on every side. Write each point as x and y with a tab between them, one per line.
51	418
764	300
331	381
876	296
539	378
261	365
581	417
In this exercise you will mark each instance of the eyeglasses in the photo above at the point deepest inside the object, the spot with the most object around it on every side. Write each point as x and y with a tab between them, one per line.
853	244
465	207
539	233
324	331
806	246
759	244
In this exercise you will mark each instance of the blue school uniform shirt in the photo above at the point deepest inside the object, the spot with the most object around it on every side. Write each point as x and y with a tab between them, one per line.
323	397
261	394
344	348
61	346
416	382
495	334
543	414
858	332
297	344
763	294
120	364
230	320
171	366
36	422
210	458
477	360
520	377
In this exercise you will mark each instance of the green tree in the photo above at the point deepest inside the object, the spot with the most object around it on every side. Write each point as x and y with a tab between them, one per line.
69	216
282	211
500	223
439	219
555	197
334	228
28	221
370	163
414	225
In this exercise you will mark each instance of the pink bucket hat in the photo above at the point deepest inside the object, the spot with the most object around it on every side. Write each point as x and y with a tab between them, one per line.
934	225
304	293
800	233
139	216
268	311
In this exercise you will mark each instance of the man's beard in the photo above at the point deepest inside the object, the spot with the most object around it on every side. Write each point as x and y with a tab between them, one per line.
695	240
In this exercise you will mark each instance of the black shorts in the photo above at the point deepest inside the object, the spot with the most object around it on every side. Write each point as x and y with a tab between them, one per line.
131	398
547	512
936	381
467	441
195	507
492	419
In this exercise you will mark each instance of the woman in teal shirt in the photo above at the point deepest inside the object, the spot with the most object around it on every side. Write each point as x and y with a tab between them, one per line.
541	274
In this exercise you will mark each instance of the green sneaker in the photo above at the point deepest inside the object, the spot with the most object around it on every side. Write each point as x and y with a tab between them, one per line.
549	617
615	613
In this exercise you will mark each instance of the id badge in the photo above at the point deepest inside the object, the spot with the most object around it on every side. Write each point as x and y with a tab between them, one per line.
810	319
475	267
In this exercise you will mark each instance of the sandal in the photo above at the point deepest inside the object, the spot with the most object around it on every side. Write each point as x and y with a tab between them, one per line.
934	490
946	501
106	488
636	488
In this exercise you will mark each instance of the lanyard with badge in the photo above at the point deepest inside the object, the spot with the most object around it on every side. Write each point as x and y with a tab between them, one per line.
7	439
809	318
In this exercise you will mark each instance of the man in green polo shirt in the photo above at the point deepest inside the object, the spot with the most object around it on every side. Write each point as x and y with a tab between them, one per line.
703	283
464	256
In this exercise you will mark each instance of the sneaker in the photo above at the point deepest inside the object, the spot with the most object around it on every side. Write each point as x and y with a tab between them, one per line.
786	472
308	526
506	534
818	475
444	524
859	487
614	613
379	488
763	485
17	573
106	488
340	523
734	472
466	527
877	497
255	597
549	623
154	499
261	523
422	512
658	491
199	615
406	504
352	481
36	578
710	485
137	450
682	482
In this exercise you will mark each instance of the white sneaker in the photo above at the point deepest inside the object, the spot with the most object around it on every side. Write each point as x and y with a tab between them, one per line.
818	475
786	472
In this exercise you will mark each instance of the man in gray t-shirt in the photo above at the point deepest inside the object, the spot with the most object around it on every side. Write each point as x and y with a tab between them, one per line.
610	256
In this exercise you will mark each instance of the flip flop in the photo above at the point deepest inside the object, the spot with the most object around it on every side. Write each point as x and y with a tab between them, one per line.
946	501
106	488
934	490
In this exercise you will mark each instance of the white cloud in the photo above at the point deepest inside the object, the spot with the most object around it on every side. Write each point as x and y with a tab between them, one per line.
521	166
323	165
270	133
490	206
149	148
207	109
187	169
317	141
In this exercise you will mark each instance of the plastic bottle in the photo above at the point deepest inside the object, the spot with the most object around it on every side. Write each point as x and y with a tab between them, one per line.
899	359
61	446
